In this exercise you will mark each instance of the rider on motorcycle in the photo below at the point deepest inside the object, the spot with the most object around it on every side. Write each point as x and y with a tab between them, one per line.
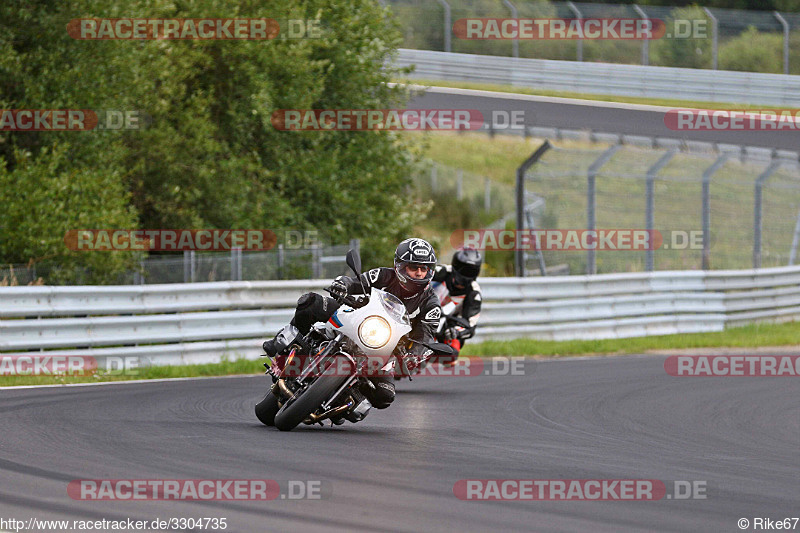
409	280
459	293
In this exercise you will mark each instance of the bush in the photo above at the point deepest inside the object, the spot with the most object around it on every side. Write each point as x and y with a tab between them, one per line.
753	51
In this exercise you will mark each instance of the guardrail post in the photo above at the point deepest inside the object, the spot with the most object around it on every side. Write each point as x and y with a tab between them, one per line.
519	255
448	25
649	216
578	15
785	41
515	15
645	42
707	207
714	37
591	203
757	220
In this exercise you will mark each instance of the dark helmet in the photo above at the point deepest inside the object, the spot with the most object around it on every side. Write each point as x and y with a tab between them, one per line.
417	251
466	266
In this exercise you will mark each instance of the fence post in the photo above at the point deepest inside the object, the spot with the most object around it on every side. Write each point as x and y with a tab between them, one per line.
281	262
707	207
236	264
591	203
652	172
434	185
316	261
515	15
757	220
459	184
578	15
785	41
714	37
645	42
188	266
447	25
519	255
487	194
795	240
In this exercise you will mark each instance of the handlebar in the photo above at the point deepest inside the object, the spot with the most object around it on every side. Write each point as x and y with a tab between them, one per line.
464	323
346	299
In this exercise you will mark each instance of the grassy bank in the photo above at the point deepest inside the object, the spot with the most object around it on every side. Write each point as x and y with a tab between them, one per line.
752	336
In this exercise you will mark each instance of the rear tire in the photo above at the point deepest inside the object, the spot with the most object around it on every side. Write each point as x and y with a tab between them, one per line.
293	413
267	408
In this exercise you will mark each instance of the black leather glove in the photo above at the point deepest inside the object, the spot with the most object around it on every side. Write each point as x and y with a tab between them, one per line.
338	287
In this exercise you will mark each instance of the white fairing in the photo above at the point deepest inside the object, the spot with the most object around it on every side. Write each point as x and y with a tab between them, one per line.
350	320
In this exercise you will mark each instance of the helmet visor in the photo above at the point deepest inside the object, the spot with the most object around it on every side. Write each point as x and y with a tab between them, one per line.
469	271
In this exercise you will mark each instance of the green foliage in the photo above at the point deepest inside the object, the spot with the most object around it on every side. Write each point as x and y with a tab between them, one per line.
209	156
45	197
679	52
753	51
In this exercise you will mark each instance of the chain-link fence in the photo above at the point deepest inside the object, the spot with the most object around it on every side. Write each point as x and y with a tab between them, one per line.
464	199
314	262
702	210
693	37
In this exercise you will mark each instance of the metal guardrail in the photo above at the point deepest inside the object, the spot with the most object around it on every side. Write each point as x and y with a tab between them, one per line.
198	323
606	78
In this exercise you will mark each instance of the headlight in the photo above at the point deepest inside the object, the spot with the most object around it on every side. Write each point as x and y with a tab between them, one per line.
374	331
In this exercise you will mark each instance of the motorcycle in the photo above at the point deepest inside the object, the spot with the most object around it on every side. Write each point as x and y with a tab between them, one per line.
365	334
453	327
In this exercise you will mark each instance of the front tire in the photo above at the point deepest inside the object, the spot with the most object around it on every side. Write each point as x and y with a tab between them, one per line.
294	412
267	408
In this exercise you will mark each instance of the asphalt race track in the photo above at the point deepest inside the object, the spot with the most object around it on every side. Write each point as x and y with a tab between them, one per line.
592	418
607	117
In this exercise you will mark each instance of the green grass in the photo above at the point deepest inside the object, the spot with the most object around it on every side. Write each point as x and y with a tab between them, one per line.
665	102
225	368
752	336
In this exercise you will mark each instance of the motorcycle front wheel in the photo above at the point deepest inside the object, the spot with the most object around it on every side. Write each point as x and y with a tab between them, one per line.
295	411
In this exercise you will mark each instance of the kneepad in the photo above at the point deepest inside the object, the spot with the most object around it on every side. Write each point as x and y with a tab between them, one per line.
307	300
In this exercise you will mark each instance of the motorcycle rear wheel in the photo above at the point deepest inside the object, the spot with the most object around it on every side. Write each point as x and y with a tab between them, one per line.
267	408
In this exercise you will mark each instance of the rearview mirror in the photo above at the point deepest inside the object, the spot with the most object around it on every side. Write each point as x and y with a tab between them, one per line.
354	261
